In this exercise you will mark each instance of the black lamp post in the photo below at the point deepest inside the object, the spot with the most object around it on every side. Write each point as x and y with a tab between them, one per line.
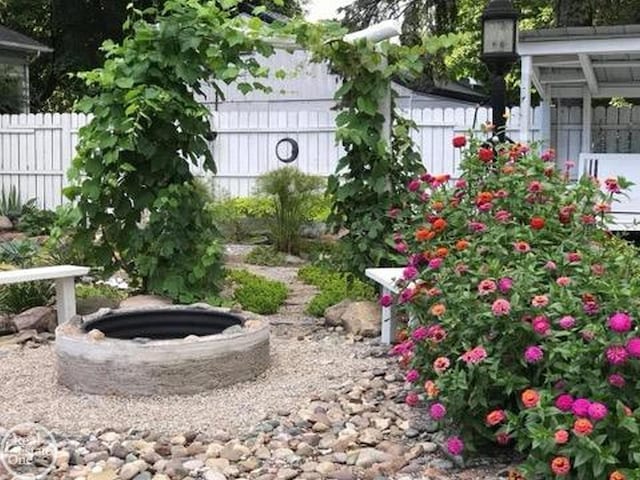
499	53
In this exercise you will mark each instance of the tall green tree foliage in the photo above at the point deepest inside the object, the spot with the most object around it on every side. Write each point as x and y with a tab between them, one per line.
138	207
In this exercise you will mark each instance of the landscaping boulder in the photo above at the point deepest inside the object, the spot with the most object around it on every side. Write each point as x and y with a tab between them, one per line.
41	319
5	223
362	318
6	325
333	314
85	306
138	301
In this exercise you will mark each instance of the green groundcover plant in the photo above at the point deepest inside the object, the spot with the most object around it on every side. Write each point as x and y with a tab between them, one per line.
524	310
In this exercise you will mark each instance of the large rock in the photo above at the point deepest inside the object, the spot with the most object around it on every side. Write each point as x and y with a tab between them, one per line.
41	319
362	318
138	301
85	306
333	315
5	223
6	325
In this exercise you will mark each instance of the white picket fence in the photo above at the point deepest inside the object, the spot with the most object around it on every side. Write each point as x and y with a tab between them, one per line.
36	150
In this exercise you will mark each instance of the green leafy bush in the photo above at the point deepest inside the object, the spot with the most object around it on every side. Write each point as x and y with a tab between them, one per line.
292	192
84	290
525	313
35	221
257	294
265	255
334	287
241	218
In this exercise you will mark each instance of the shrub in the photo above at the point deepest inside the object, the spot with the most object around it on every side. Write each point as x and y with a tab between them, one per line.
263	255
523	313
257	294
84	290
241	218
12	207
35	221
334	287
293	193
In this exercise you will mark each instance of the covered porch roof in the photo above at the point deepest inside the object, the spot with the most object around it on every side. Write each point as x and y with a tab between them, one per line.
578	62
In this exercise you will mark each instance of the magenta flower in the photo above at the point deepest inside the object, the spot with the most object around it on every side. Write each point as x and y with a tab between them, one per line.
620	322
410	272
401	247
505	284
541	325
591	307
567	322
616	354
502	216
564	402
548	155
616	380
437	411
406	295
420	333
580	407
473	356
533	354
633	347
477	227
455	445
412	376
386	300
597	411
460	183
574	257
435	263
414	185
501	307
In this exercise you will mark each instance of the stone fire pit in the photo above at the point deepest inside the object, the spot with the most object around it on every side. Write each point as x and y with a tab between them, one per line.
161	351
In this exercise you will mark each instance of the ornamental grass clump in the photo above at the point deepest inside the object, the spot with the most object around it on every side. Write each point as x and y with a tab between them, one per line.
525	312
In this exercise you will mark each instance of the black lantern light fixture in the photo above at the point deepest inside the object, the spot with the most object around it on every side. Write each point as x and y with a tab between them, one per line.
499	53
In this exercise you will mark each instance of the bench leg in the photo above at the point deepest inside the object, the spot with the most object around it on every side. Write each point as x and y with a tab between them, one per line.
65	299
388	326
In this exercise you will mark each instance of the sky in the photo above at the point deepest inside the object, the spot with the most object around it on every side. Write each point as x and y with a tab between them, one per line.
322	9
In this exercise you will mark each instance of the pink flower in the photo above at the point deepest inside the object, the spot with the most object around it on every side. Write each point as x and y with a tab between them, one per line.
505	284
435	263
420	333
550	265
425	197
591	307
541	325
612	185
461	268
477	227
587	335
460	183
485	207
521	247
486	287
473	356
455	445
567	322
394	212
633	347
620	322
597	269
563	281
533	354
502	216
564	402
440	364
412	376
501	307
534	187
616	380
574	257
412	399
436	333
401	247
501	194
597	411
437	411
406	295
410	272
414	185
588	219
548	155
580	407
386	300
540	301
616	354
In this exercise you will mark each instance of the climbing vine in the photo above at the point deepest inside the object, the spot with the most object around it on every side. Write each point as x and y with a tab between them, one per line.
371	178
139	209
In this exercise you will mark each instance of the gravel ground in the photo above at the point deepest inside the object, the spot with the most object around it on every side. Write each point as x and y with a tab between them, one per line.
299	369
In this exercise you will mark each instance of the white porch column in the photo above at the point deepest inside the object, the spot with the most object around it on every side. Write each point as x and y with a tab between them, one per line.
525	98
545	122
586	121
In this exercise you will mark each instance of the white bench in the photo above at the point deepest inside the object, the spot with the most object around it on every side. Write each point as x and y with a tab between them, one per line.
386	277
64	276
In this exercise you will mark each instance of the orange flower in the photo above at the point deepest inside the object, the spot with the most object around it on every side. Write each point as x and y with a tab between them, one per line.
616	475
442	252
537	223
561	437
530	398
434	292
560	466
582	427
439	224
462	245
442	178
484	197
401	336
437	205
438	309
495	417
507	169
431	389
422	234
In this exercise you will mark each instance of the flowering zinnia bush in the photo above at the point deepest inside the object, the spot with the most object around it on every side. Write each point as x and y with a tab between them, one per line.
524	312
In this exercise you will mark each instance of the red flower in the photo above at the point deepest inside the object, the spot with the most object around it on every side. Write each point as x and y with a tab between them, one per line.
537	223
486	155
459	141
